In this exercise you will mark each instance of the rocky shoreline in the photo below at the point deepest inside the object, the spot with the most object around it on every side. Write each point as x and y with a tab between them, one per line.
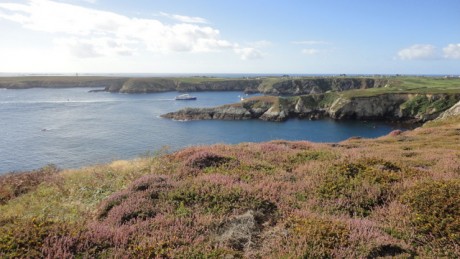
390	107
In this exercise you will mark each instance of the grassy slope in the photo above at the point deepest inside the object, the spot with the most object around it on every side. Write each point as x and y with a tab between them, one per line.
392	196
423	85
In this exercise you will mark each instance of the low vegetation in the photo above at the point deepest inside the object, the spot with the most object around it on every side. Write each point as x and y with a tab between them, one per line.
394	196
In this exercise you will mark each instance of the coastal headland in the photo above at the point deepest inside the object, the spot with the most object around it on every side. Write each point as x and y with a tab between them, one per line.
394	98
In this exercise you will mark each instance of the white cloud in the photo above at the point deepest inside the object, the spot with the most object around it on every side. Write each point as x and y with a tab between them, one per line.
452	51
248	53
260	44
418	51
183	18
310	51
88	32
311	42
95	47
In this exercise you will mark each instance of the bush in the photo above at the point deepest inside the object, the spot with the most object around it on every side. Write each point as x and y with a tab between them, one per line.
24	239
306	156
317	237
14	185
356	188
205	159
217	199
138	202
435	210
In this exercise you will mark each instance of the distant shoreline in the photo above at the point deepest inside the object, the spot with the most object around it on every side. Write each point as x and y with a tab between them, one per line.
215	75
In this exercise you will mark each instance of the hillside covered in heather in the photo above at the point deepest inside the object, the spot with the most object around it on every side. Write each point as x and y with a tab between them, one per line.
394	196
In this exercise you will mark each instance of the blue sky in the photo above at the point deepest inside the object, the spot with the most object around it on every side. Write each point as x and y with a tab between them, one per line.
190	36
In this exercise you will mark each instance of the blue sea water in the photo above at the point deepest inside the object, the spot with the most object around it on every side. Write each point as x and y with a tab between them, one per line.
73	128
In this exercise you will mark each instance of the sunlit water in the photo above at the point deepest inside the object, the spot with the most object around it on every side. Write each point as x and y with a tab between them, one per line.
72	127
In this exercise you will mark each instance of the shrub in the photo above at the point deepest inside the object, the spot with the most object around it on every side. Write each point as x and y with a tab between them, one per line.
24	239
306	156
205	159
435	210
317	237
16	184
356	188
217	199
138	202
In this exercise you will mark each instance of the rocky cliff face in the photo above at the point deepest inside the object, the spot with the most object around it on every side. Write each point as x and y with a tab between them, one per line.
451	112
394	107
153	85
280	86
247	85
322	85
145	85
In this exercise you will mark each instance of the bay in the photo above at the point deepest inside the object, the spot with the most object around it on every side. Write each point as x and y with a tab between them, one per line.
73	127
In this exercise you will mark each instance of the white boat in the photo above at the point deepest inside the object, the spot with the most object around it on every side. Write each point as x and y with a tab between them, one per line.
183	97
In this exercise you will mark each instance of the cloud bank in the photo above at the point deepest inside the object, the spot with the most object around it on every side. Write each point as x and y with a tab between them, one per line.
429	52
452	51
418	51
87	32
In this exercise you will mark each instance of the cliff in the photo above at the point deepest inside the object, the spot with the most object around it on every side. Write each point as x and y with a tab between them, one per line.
451	112
270	86
320	85
392	107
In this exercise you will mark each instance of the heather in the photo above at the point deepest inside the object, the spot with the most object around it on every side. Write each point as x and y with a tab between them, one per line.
394	196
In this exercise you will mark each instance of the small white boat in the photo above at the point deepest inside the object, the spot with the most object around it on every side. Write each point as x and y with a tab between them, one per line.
183	97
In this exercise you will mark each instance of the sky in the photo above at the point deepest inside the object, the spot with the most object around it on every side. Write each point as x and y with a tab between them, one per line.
230	36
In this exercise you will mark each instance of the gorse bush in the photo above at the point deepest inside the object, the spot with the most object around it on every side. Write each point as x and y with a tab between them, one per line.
217	199
357	187
318	237
435	207
306	156
24	238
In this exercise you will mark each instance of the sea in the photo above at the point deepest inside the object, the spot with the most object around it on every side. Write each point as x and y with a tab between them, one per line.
73	127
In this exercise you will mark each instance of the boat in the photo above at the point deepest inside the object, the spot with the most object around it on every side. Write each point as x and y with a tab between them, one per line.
183	97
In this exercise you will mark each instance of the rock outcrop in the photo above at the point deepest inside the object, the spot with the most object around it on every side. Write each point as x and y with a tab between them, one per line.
391	107
451	112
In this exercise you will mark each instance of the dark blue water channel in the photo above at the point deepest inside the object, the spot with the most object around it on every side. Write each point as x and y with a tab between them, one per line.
72	127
